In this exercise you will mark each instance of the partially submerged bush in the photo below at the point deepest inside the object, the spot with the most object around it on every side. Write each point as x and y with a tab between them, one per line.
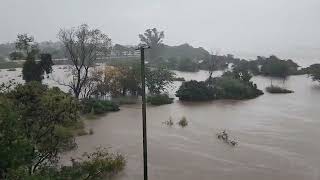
125	100
276	89
98	106
232	88
81	132
179	79
195	91
183	122
160	99
169	122
92	166
229	86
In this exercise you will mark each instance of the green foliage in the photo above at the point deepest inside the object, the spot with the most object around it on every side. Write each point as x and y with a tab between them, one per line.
231	85
36	126
15	148
46	63
276	89
183	122
98	106
231	88
92	166
33	71
276	67
314	71
158	79
159	99
42	119
7	87
195	91
249	66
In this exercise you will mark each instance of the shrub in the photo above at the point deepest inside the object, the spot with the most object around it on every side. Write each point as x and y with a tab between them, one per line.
231	88
91	166
125	100
98	106
225	87
169	122
183	122
276	89
159	99
195	91
81	132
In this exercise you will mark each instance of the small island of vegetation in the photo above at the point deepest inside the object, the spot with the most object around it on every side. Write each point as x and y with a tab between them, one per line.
231	85
277	90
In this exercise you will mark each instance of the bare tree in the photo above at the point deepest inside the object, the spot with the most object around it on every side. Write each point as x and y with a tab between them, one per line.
83	46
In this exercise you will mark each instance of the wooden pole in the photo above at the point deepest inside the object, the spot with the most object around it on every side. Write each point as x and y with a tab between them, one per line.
144	116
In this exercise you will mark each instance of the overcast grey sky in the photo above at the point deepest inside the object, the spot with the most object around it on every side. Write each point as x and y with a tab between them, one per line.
244	27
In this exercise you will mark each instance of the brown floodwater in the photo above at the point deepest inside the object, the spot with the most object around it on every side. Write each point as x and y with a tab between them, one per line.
278	136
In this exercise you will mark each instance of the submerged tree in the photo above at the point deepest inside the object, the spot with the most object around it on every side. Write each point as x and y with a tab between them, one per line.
314	71
152	38
34	71
158	79
84	46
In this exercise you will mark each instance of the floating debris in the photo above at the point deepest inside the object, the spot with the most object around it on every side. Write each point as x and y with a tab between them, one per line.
183	122
169	122
225	137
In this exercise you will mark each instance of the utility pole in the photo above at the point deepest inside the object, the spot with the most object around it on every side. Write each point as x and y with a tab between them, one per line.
144	114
